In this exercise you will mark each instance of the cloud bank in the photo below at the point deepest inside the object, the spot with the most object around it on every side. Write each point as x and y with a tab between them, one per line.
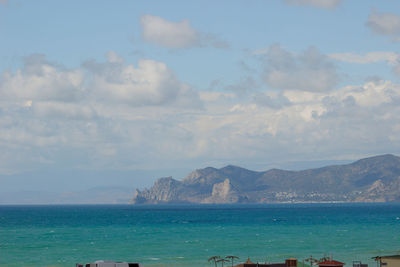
115	115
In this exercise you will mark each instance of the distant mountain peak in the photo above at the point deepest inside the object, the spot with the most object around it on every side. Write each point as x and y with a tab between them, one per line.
231	167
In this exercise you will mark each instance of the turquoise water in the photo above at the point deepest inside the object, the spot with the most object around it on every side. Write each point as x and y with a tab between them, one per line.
189	235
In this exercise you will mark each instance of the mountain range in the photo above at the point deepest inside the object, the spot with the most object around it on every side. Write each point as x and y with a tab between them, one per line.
374	179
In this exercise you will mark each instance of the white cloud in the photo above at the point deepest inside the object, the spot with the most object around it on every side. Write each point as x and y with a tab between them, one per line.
150	83
41	80
113	57
390	58
307	71
326	4
170	34
371	57
370	94
384	24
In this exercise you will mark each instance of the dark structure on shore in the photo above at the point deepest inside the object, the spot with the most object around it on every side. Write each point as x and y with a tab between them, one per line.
287	263
109	264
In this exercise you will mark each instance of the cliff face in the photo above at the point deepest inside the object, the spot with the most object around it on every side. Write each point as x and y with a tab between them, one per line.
164	190
224	193
370	179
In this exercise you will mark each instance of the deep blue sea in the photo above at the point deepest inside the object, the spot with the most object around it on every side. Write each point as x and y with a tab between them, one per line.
189	235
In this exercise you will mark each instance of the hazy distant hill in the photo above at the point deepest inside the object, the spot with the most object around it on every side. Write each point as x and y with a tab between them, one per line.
371	179
96	195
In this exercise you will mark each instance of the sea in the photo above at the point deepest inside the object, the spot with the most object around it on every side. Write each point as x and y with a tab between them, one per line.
188	235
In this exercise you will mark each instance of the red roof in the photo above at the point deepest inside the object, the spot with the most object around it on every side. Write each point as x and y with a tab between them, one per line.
331	263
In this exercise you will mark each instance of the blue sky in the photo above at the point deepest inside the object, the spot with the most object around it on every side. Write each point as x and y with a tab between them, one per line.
122	92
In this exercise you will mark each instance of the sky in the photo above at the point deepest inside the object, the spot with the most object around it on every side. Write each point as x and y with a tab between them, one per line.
98	93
